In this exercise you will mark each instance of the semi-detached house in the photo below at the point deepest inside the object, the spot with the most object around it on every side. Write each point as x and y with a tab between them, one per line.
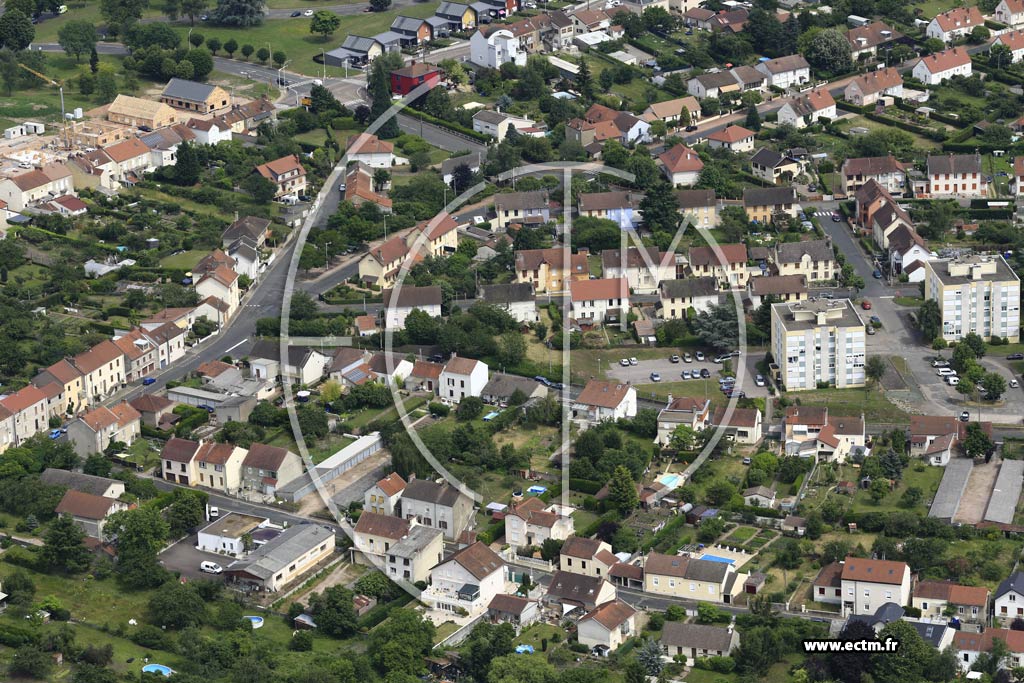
38	185
726	263
1009	12
551	270
785	72
437	506
287	174
595	302
939	66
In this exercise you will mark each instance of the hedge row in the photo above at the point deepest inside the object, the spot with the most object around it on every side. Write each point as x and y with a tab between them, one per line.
455	127
936	115
378	613
585	486
905	125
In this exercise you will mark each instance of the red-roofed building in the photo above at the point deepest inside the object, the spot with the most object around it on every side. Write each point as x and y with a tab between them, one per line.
682	165
596	301
734	138
939	66
287	174
531	522
808	108
96	429
462	377
368	149
607	626
601	400
28	409
1009	12
727	263
954	23
968	603
868	584
382	498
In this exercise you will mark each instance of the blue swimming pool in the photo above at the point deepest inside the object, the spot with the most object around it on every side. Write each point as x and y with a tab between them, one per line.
537	490
670	480
157	669
716	558
257	622
490	416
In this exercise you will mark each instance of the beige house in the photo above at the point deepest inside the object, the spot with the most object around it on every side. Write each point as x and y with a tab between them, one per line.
550	270
201	98
374	534
726	263
382	498
699	207
27	407
177	461
437	506
103	371
677	297
96	429
774	167
89	511
41	184
586	556
412	556
695	579
607	626
265	468
531	522
219	465
814	259
221	283
131	159
766	204
287	174
869	584
698	640
138	113
468	580
938	599
71	382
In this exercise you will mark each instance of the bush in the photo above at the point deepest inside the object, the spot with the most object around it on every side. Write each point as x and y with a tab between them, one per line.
579	647
302	641
438	409
150	636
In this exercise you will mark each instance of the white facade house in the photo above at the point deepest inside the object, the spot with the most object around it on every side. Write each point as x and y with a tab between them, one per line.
1014	42
462	377
818	342
496	48
937	67
531	522
467	580
808	108
643	269
517	299
956	175
1009	12
209	132
597	301
955	23
1008	600
607	626
785	72
399	303
231	534
978	293
869	584
601	400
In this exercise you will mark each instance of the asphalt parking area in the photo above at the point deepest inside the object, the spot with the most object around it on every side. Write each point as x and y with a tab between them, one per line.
184	558
640	374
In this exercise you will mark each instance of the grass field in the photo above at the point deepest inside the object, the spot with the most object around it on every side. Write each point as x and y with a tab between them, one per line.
871	402
186	260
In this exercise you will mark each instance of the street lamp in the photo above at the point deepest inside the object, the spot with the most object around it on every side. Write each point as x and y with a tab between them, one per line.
327	256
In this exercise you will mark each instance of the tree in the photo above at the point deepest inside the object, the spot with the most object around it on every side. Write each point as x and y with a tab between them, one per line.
994	385
176	606
929	318
140	535
302	641
231	47
648	654
379	87
213	44
187	511
188	167
977	444
30	661
106	85
334	612
261	189
241	13
247	51
16	31
77	38
719	492
829	51
879	490
469	408
64	547
262	55
202	63
97	465
511	349
94	60
380	5
718	327
196	39
938	219
874	369
400	643
660	209
193	8
121	15
279	58
325	23
975	343
622	493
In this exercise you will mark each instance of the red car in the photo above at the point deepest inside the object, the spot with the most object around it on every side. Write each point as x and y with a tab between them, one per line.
866	305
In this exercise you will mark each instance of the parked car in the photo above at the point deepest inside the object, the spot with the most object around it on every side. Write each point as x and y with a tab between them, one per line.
673	359
207	408
214	512
940	363
876	321
705	373
965	416
946	372
436	358
685	374
308	13
699	355
836	218
55	433
759	381
210	567
746	461
877	275
871	330
655	377
1015	356
634	361
723	358
147	381
624	362
952	380
687	358
866	305
1014	384
296	13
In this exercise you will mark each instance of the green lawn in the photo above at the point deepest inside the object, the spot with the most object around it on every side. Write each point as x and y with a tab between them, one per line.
851	402
186	260
700	389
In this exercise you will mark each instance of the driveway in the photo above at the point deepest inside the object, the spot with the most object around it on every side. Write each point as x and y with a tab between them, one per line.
183	557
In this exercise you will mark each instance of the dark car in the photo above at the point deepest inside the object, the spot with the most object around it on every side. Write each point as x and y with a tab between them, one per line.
296	13
436	358
147	381
145	129
877	275
705	373
304	198
207	408
691	128
1015	356
836	218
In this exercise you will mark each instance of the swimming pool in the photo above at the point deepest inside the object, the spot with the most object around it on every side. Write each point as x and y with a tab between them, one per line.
537	490
257	622
157	669
490	416
670	480
716	558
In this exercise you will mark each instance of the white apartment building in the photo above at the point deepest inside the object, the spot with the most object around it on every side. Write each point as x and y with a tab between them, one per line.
818	342
978	293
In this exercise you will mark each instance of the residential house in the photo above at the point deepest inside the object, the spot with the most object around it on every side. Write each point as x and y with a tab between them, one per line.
86	483
840	438
595	302
265	468
368	149
96	429
939	66
607	626
286	558
827	587
602	400
907	248
467	580
874	85
550	270
516	298
382	265
733	138
692	413
163	144
89	511
729	21
578	591
384	496
562	31
38	185
437	506
818	342
977	293
399	303
621	206
416	31
779	287
169	339
141	356
699	207
1014	42
513	609
939	599
586	556
743	425
437	236
209	131
287	174
955	23
759	496
500	389
682	166
588	20
375	533
177	460
814	259
868	39
425	376
749	78
591	136
140	113
1008	600
494	47
221	283
25	415
681	111
462	377
642	268
693	641
498	124
687	577
887	171
201	98
527	208
956	175
359	189
459	17
249	227
218	466
102	369
231	534
765	204
969	645
532	522
631	129
808	108
868	584
726	263
411	558
785	72
1009	12
246	118
712	84
94	170
65	375
246	256
448	166
774	166
677	297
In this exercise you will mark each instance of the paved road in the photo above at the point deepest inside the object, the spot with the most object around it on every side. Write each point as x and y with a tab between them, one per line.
439	137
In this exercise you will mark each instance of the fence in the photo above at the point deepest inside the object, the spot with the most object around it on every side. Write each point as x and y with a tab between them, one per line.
461	634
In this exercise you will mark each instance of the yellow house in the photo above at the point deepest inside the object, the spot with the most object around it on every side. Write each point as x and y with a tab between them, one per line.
375	533
677	297
102	369
727	263
814	259
687	577
136	112
765	204
71	382
550	270
442	236
699	207
201	98
220	283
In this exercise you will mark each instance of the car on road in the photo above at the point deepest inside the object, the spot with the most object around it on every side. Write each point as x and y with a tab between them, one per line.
655	377
691	128
55	433
624	362
147	381
836	218
210	567
308	13
705	373
296	13
877	274
699	355
876	321
759	381
866	305
965	416
871	330
674	359
1014	384
940	363
634	361
214	512
1015	356
687	358
945	372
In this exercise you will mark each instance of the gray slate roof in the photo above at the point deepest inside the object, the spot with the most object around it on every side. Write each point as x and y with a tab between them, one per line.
277	554
507	293
503	386
1014	582
86	483
792	252
188	90
700	636
692	287
359	44
428	491
768	196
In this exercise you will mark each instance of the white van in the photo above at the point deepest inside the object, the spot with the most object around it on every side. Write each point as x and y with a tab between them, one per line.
62	9
952	380
946	372
210	567
214	512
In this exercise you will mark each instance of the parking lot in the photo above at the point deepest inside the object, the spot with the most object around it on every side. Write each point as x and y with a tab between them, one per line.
670	372
183	558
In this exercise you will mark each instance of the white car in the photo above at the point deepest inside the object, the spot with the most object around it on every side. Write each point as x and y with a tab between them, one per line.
210	567
940	363
699	355
952	380
945	372
655	377
308	13
634	361
624	362
687	358
1014	384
